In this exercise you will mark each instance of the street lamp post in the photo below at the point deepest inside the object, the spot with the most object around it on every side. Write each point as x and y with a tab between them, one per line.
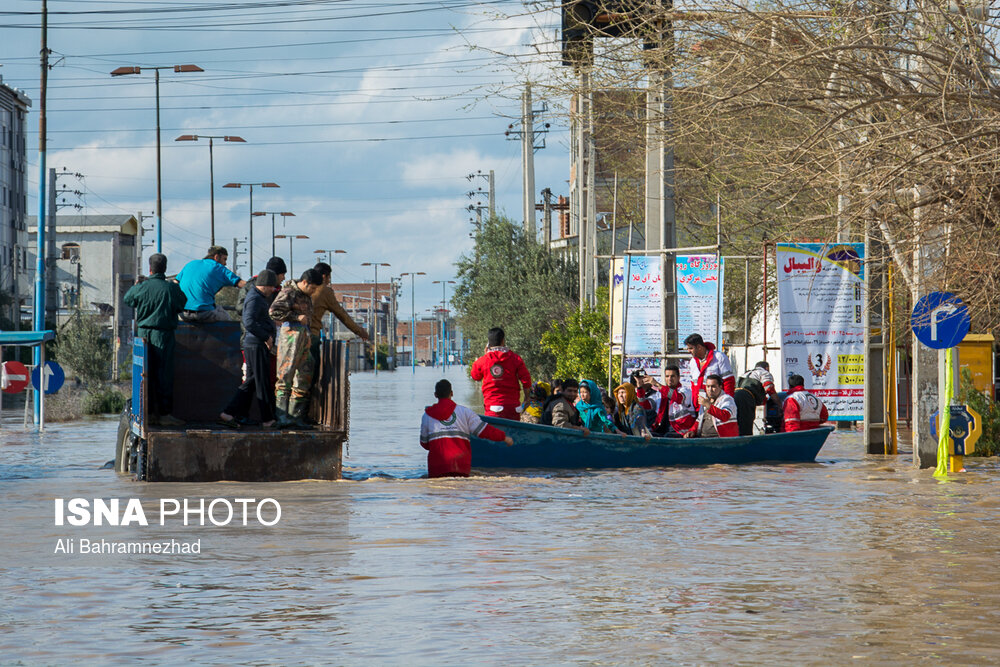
330	254
283	214
251	186
444	314
374	310
291	255
211	166
413	320
122	71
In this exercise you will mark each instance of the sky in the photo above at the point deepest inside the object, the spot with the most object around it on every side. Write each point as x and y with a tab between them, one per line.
368	115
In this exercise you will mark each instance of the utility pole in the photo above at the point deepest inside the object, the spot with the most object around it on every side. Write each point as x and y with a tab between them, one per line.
546	218
492	194
236	254
527	135
50	252
661	224
582	191
528	161
38	316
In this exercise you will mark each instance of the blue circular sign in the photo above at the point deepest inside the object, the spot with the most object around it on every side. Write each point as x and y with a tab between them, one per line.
940	320
54	377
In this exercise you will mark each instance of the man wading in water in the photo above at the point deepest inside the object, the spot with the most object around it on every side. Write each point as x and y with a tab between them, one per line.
446	430
503	375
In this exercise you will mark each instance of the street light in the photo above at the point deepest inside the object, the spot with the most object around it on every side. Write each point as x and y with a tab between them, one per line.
330	254
251	186
413	320
376	265
211	166
291	257
134	69
283	214
444	322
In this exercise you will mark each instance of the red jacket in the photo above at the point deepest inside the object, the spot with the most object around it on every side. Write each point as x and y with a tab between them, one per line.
446	430
714	363
503	373
676	408
723	412
803	411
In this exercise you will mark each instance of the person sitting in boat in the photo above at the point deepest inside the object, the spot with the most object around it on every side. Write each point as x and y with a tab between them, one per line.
446	430
531	411
803	410
676	415
591	408
647	393
717	416
707	360
629	417
562	411
503	375
762	373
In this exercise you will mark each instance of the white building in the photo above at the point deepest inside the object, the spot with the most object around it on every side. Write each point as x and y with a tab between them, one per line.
13	194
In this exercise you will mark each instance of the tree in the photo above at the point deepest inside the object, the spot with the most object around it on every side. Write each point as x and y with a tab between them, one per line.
579	342
511	281
81	345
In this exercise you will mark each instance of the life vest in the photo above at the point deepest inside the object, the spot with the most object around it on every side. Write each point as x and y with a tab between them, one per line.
714	363
806	412
727	427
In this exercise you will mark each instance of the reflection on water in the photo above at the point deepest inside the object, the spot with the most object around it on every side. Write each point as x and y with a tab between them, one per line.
852	559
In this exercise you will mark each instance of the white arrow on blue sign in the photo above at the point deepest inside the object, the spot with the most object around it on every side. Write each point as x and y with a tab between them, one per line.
54	377
940	320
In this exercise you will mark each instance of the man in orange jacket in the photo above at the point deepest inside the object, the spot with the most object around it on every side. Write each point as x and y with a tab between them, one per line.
503	375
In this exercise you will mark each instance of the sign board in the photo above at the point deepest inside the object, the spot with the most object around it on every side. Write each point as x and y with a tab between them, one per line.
13	377
644	317
700	288
821	301
940	320
54	377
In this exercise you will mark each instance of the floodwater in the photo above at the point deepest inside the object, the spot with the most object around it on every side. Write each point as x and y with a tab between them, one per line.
851	560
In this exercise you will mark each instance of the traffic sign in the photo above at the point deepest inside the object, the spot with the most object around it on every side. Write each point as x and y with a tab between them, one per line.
54	377
964	428
13	377
940	320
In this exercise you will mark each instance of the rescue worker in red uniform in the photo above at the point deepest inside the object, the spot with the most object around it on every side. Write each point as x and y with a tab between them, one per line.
803	411
707	360
676	415
717	417
446	430
503	375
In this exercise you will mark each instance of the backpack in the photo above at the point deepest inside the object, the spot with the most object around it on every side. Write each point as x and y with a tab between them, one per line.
754	386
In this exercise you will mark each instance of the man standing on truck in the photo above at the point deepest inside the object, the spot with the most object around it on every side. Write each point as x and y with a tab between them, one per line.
292	310
503	375
200	279
325	301
157	303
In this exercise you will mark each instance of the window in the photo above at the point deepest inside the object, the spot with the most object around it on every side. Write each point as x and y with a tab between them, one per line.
71	251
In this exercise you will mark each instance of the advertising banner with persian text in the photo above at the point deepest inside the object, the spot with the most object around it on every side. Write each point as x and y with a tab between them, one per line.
643	308
821	296
699	297
651	364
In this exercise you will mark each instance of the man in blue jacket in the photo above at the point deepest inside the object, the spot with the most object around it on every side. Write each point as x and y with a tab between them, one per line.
200	279
257	345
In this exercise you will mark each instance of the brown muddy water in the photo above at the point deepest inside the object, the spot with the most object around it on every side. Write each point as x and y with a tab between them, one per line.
851	560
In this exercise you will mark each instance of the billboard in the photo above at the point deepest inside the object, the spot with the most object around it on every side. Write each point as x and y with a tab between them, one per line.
821	298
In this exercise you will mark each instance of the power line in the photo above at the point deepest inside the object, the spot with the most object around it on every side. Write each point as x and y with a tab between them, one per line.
292	143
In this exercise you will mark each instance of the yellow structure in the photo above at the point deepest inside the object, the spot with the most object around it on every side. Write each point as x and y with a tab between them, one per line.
975	352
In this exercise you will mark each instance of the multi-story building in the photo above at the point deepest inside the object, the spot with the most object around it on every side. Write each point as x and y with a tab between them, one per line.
14	105
372	306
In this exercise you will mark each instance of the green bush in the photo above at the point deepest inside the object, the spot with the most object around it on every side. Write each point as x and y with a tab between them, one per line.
989	441
579	342
81	345
103	401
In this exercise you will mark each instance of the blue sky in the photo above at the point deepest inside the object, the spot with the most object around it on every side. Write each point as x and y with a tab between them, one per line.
336	100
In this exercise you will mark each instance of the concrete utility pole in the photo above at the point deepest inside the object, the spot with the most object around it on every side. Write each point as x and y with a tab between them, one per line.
236	254
528	162
547	218
661	223
583	205
527	135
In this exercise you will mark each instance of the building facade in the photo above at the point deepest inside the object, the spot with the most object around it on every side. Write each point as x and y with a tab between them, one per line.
14	197
97	260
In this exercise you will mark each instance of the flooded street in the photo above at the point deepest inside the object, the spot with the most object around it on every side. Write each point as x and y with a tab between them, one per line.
852	559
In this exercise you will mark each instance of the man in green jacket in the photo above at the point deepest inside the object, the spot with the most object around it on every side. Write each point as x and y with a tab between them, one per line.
157	302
